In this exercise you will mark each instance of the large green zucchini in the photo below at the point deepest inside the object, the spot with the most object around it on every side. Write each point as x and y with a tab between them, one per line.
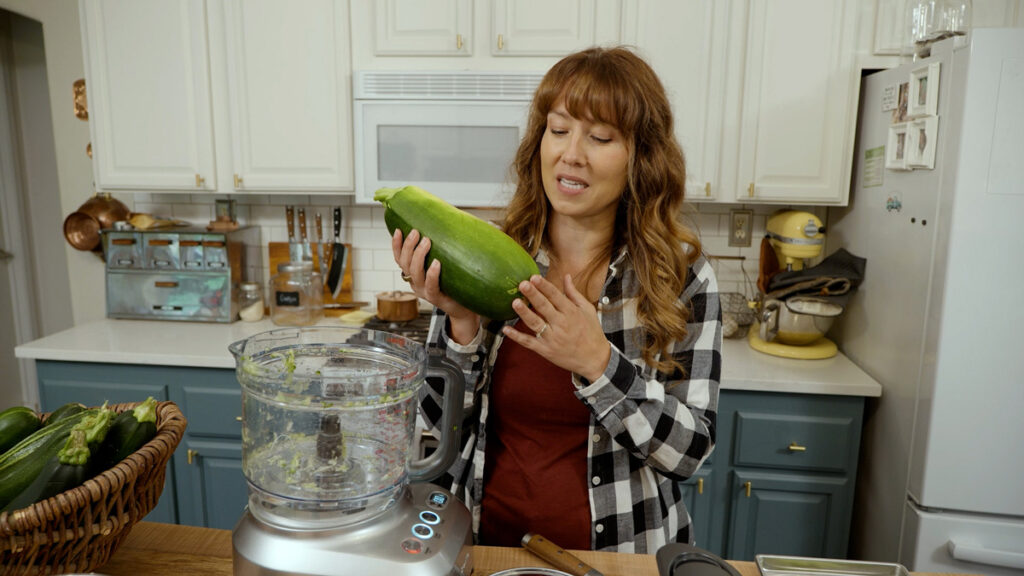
481	266
16	423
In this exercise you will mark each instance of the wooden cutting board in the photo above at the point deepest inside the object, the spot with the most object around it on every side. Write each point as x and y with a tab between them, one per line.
278	254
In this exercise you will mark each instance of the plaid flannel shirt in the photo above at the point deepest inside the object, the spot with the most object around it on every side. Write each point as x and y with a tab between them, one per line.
649	430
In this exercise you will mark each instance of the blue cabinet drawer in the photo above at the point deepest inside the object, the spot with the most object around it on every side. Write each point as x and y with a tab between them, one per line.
826	443
213	411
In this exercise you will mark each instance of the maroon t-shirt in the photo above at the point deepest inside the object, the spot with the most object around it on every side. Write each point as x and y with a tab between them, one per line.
535	471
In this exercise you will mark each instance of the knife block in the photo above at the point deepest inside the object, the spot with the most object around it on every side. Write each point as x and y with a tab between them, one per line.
278	254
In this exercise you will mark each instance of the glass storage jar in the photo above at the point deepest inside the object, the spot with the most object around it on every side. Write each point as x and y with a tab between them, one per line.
296	295
929	21
250	302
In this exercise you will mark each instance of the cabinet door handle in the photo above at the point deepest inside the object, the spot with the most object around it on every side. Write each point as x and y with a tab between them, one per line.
746	486
794	447
750	190
707	189
191	454
501	42
238	181
700	485
200	181
238	418
458	42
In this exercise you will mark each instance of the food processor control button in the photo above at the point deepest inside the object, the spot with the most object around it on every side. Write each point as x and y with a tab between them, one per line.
430	517
412	546
422	531
437	500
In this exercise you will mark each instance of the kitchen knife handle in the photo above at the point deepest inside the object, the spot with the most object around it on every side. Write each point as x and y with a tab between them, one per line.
337	224
319	229
302	224
556	556
289	216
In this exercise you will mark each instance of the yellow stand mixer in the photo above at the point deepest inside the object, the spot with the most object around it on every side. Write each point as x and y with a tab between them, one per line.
794	327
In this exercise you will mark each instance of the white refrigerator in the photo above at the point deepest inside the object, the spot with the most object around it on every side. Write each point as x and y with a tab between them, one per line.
939	317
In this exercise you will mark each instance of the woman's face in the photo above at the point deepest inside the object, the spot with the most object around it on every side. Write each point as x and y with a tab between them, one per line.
583	165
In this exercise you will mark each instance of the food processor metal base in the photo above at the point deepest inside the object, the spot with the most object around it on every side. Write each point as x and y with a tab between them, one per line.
427	532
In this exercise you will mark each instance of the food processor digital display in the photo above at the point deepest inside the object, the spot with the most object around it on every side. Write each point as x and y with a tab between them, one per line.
438	500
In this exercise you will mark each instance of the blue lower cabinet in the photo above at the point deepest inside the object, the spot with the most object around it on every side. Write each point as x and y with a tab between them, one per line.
212	487
788	514
698	495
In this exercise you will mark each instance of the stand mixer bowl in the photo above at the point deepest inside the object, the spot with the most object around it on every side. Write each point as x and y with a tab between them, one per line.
328	420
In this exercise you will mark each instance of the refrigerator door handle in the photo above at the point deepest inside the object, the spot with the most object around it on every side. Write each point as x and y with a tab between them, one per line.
979	555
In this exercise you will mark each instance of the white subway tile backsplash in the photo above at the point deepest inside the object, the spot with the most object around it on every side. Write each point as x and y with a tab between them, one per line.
384	260
200	214
375	280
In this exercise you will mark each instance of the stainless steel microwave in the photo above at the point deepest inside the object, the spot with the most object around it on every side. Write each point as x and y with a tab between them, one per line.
453	133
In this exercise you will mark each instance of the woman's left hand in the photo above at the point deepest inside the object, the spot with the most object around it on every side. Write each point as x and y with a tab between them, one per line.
567	330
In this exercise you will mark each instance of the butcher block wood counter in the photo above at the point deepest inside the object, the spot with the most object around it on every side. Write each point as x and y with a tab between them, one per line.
170	550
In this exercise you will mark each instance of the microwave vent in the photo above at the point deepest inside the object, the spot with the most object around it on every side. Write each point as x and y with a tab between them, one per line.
441	85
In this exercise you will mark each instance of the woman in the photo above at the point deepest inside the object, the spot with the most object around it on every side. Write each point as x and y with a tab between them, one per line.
591	407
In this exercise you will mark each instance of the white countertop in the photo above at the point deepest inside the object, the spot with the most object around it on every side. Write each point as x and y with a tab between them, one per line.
167	343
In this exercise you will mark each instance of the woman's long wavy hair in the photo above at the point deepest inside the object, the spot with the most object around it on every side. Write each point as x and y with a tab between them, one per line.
616	87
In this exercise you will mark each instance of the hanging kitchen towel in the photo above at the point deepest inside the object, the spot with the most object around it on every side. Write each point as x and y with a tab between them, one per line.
834	279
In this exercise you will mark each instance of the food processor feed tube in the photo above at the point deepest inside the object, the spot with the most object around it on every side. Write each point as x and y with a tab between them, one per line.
329	418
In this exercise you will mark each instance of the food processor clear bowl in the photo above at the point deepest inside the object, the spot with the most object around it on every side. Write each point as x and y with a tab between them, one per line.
328	419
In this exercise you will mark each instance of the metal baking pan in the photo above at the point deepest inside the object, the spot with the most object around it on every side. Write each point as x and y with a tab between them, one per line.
797	566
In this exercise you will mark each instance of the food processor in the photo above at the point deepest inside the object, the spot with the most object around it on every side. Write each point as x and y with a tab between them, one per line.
328	421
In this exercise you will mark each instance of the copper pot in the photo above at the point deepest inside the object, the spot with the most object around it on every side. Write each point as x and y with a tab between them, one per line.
82	227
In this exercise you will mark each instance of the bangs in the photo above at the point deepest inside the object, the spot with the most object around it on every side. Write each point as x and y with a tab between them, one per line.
595	92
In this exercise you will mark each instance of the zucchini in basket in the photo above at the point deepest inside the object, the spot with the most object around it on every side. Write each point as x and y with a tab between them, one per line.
53	459
130	431
63	412
16	423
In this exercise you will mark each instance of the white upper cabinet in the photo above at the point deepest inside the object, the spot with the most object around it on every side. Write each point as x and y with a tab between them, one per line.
149	94
541	27
686	43
763	91
419	28
263	87
289	94
416	34
799	102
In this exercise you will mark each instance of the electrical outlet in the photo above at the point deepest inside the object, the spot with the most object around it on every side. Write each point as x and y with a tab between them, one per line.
741	225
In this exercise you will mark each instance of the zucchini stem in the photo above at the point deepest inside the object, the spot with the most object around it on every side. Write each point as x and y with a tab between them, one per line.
383	195
146	412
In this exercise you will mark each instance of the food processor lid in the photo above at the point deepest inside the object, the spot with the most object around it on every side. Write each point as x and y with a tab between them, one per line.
299	365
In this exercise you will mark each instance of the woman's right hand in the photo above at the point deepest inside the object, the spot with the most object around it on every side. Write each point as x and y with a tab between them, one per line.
410	254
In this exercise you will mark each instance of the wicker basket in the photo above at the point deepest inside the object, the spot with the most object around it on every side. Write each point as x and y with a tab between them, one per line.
737	316
78	530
